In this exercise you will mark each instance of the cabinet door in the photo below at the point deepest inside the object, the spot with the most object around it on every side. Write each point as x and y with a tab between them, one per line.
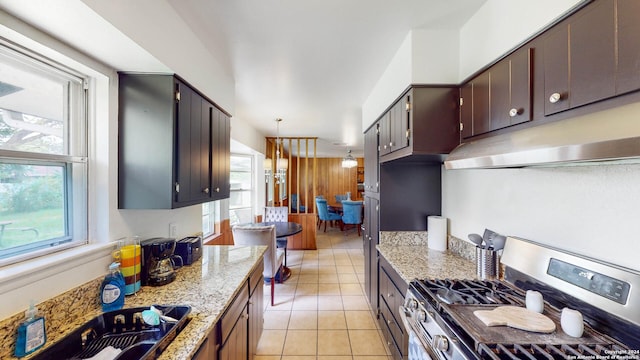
256	309
521	83
628	78
466	110
499	90
556	69
186	110
481	116
592	54
580	59
220	164
193	151
200	149
371	159
385	133
370	240
235	348
399	124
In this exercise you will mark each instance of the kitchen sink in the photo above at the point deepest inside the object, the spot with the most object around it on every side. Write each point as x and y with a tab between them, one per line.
123	329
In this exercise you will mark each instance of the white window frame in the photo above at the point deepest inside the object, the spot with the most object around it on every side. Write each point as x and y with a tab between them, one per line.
251	190
74	161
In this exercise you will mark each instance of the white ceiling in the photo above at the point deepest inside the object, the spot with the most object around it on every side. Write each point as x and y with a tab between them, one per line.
312	63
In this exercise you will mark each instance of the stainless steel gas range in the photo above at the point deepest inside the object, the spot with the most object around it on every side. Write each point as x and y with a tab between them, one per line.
439	314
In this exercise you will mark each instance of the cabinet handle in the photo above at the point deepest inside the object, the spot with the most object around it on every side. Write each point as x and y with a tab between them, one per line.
514	112
389	295
407	134
391	144
555	97
217	189
206	190
389	322
385	146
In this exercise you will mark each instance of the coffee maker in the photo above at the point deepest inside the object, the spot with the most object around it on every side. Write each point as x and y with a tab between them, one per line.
157	261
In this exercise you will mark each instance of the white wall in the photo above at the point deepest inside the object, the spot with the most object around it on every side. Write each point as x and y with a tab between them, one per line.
424	57
157	28
393	81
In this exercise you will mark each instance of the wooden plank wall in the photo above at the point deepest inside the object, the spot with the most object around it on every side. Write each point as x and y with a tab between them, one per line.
306	240
332	179
225	236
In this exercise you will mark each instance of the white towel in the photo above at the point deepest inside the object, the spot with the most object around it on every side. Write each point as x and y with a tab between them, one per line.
108	353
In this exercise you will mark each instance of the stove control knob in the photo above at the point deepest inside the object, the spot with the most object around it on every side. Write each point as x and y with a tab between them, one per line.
441	342
421	316
412	304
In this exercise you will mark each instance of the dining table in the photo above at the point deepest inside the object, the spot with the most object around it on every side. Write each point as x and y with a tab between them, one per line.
335	207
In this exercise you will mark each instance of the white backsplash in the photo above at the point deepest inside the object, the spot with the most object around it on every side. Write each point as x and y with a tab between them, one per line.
589	210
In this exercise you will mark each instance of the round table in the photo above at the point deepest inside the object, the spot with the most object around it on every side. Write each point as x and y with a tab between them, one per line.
283	231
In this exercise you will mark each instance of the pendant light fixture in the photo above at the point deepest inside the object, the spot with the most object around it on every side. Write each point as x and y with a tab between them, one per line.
281	163
348	161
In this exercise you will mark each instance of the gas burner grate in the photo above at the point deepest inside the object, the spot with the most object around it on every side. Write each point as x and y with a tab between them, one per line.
548	351
470	292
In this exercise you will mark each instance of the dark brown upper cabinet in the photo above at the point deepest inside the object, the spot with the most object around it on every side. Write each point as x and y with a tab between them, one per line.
385	133
220	154
593	55
498	97
425	122
510	90
628	28
172	146
371	179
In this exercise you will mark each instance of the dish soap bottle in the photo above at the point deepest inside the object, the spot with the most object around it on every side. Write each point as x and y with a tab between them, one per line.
112	289
31	333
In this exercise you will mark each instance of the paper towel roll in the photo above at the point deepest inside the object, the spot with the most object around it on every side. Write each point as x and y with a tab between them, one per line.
437	233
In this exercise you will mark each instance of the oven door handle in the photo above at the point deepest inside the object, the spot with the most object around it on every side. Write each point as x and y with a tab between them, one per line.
403	315
428	352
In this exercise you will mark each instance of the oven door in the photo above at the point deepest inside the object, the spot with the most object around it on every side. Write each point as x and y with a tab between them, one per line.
418	348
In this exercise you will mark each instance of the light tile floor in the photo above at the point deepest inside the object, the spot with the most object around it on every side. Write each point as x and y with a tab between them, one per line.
321	311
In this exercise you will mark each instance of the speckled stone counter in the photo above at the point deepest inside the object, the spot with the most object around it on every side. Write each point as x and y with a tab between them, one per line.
421	262
208	286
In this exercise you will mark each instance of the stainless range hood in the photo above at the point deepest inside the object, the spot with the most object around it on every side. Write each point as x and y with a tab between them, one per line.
607	135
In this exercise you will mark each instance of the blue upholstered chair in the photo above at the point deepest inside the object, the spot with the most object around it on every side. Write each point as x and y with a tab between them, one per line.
352	213
294	204
324	215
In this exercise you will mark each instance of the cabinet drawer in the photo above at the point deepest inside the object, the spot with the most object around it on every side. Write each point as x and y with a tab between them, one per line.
256	279
391	344
395	326
234	311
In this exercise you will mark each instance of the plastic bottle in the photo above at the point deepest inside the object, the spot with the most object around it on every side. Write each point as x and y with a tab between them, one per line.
112	289
31	333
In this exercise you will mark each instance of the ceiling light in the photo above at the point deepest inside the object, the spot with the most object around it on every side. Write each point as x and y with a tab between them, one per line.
348	161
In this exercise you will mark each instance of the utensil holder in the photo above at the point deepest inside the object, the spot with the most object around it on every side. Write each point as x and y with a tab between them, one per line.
487	263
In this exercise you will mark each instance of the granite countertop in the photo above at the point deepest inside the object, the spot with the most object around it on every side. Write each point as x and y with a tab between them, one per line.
208	286
418	261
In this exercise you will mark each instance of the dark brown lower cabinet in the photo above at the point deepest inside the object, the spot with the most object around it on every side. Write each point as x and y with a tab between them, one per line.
235	345
392	291
235	336
256	309
234	323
